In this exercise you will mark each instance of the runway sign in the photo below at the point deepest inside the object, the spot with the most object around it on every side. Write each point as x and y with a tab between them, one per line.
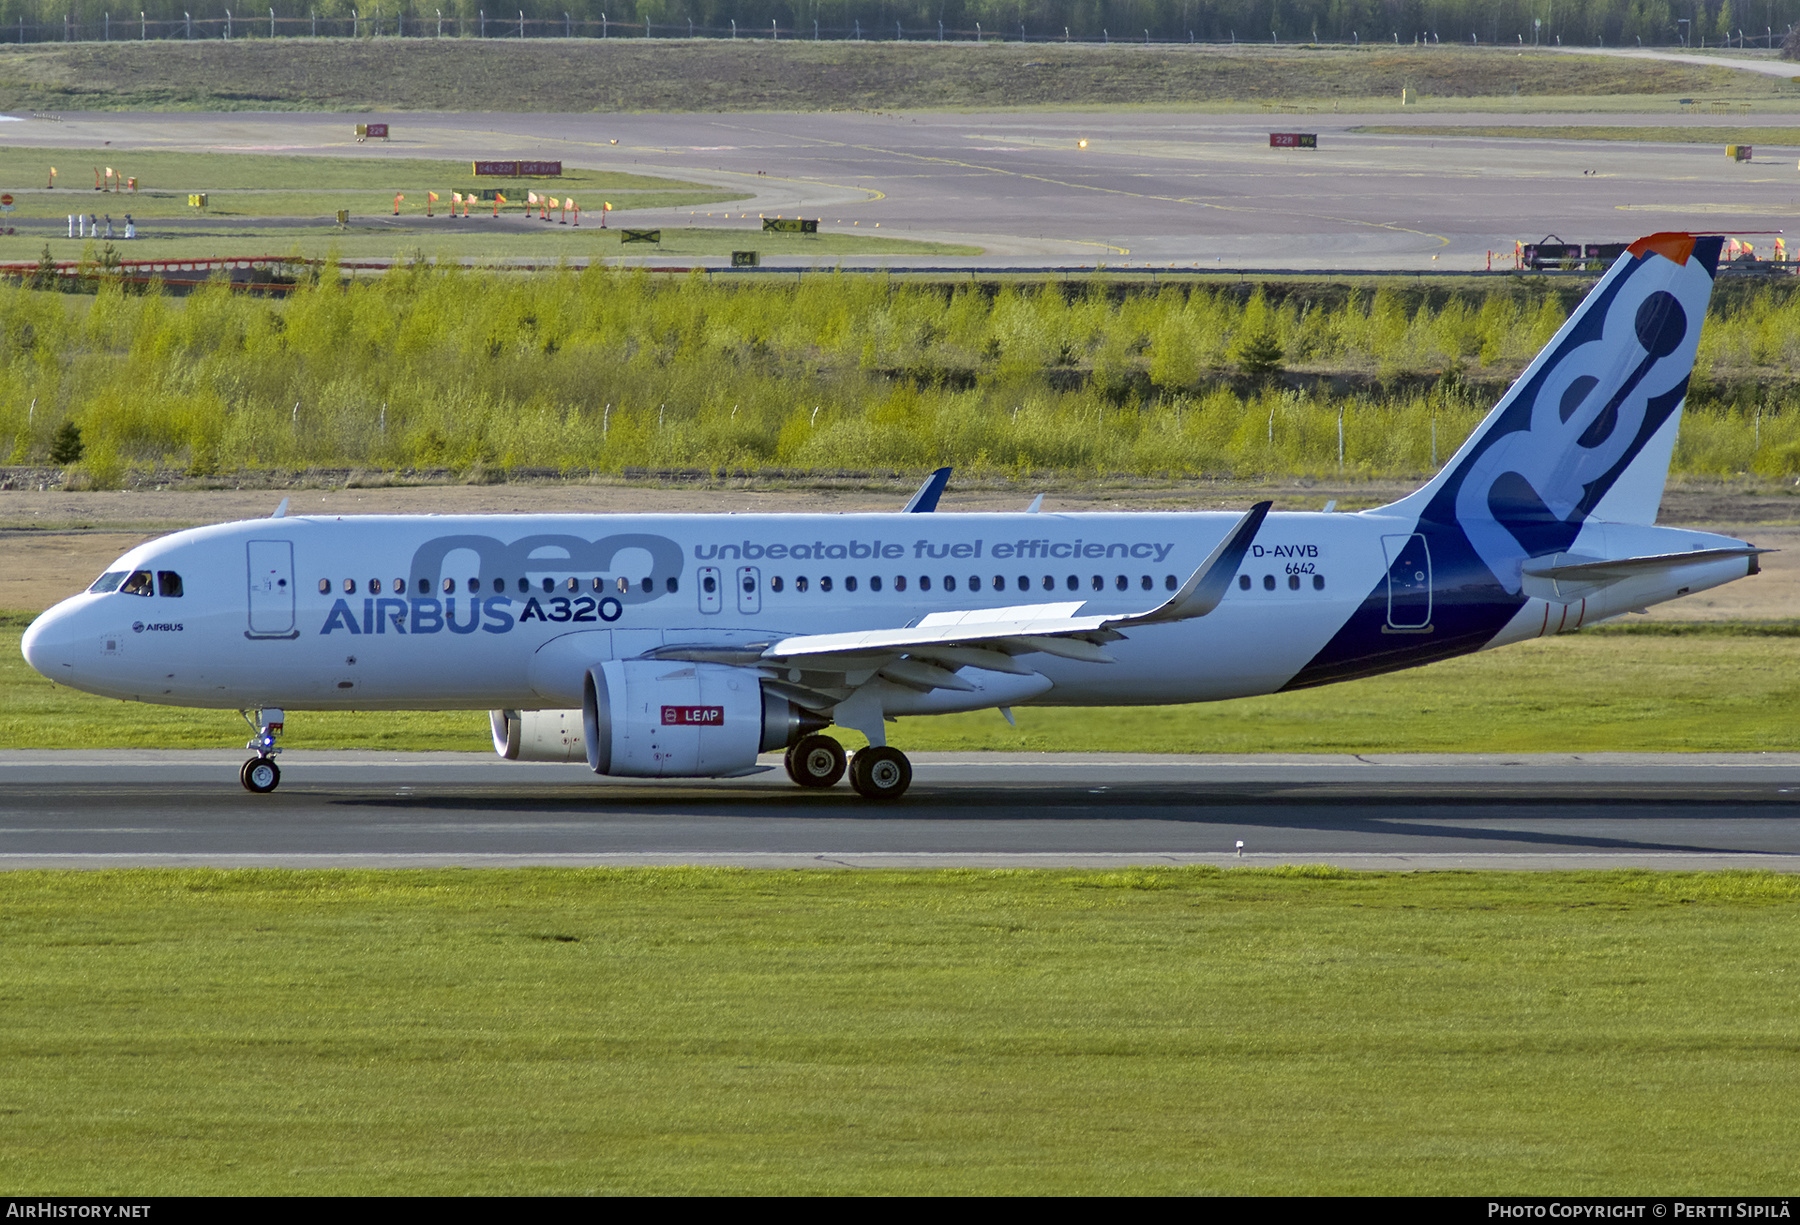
1555	255
1738	153
790	225
654	236
517	170
1293	140
745	259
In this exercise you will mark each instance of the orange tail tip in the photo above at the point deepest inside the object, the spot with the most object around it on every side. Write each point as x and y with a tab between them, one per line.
1675	247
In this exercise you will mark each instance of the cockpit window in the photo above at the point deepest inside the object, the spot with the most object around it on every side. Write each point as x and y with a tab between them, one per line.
168	583
108	582
137	584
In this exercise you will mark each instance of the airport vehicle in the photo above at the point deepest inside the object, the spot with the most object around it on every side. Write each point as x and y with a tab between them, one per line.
687	645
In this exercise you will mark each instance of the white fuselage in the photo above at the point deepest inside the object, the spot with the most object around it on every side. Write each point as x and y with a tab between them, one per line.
481	612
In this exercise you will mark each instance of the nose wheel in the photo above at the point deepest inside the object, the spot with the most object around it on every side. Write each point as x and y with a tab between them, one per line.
260	775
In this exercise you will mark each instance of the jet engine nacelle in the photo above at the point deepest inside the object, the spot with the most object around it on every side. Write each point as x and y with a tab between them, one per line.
647	718
538	735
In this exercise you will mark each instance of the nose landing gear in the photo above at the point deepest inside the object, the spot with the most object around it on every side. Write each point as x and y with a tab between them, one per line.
260	774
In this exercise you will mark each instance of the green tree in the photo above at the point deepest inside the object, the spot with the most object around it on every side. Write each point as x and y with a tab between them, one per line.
66	446
45	276
1260	355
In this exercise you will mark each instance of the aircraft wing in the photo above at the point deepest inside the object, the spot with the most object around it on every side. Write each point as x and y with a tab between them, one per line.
928	654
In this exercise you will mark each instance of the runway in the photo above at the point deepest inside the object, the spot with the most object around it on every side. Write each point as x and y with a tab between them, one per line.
979	810
1147	190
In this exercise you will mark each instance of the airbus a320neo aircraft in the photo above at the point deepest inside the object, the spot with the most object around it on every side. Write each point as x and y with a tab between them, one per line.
683	646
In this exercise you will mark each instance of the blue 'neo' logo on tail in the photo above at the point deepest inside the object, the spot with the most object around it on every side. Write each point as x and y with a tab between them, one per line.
1567	434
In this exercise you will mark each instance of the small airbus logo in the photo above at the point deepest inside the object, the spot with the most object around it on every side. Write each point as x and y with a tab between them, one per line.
168	627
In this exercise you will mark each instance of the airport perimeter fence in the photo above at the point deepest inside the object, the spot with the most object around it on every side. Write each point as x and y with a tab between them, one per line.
516	25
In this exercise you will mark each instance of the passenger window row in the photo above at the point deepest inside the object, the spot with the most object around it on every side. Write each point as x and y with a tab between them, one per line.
498	585
976	581
1293	582
138	582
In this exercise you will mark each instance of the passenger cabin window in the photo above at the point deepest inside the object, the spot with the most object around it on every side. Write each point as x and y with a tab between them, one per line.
374	586
1243	582
775	584
324	586
349	586
108	582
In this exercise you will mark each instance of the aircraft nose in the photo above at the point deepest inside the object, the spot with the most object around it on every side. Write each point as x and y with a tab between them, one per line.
49	644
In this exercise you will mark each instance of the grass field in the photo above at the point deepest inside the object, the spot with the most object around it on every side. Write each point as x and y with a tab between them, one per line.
1756	136
713	75
1716	688
1298	1031
271	204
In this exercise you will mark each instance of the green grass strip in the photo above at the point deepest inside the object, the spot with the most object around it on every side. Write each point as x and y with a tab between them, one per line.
700	1031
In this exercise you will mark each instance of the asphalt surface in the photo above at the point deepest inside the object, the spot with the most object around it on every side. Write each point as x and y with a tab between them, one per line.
142	808
1148	191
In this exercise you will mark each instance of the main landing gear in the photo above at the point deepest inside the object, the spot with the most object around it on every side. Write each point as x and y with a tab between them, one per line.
260	774
877	772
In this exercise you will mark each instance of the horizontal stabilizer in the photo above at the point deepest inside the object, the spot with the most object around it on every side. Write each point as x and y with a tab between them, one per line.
1612	570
